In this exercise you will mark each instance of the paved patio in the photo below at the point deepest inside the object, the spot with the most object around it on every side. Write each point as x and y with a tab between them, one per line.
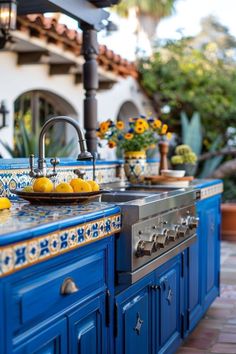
216	332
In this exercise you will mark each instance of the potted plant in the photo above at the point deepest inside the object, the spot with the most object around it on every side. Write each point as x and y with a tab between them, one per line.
185	159
133	139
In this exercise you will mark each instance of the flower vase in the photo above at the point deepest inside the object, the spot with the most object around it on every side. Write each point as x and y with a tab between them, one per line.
135	166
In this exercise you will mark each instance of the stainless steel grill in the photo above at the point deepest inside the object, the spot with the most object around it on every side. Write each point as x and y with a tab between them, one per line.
157	223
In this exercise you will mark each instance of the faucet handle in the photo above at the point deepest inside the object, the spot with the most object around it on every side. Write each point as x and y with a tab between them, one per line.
54	162
79	173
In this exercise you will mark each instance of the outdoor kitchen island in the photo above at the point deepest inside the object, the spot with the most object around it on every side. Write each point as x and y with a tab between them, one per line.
59	292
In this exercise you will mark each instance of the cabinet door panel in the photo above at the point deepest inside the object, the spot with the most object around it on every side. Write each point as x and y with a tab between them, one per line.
211	250
87	328
51	340
135	319
168	309
137	329
169	305
194	284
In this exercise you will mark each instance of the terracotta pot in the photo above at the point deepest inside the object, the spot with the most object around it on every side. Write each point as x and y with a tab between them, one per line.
135	166
229	221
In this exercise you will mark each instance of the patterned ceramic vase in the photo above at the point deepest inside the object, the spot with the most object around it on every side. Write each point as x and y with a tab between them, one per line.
135	166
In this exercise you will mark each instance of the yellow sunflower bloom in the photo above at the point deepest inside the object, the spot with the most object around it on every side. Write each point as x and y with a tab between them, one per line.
104	127
111	144
120	125
129	136
169	135
139	129
164	129
157	124
142	122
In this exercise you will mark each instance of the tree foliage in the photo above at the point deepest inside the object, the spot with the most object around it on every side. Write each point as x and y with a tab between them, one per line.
192	80
155	8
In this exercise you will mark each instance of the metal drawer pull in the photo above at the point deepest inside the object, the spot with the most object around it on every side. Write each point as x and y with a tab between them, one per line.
69	287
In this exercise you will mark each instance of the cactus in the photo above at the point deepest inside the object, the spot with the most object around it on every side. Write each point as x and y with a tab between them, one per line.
177	159
183	149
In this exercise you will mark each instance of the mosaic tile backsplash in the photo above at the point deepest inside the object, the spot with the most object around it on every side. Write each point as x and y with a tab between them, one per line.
14	173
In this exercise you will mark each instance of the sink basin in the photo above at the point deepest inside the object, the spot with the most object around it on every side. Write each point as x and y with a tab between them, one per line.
123	196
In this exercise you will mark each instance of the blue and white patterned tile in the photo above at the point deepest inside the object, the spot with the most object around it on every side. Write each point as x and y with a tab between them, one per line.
19	178
24	254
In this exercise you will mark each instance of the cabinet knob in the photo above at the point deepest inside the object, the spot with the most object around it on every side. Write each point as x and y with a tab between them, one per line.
69	287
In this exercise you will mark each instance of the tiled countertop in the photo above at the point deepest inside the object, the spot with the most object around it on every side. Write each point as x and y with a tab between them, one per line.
24	221
30	234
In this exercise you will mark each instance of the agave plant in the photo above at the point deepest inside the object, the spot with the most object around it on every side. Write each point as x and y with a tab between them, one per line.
192	135
26	143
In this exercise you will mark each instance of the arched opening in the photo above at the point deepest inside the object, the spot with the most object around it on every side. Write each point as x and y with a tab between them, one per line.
127	110
32	109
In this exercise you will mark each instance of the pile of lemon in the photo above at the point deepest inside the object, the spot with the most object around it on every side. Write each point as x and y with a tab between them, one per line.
76	185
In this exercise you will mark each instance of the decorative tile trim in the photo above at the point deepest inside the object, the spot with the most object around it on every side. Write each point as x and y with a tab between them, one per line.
210	191
26	253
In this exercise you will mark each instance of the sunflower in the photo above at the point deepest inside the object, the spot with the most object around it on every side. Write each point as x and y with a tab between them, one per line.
142	122
164	129
139	129
129	136
120	125
111	144
104	127
157	124
169	135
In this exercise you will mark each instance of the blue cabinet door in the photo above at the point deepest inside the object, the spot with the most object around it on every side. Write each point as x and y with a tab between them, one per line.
194	311
52	339
168	307
210	239
134	317
87	328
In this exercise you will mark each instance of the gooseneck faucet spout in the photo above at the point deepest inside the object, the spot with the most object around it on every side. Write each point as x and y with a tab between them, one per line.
42	167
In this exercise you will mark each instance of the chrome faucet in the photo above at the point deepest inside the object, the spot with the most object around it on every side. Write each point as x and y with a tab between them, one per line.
41	171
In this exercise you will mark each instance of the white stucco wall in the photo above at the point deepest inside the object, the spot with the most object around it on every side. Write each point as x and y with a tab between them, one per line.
15	80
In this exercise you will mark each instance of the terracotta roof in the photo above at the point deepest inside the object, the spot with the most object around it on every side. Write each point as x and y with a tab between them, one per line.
50	30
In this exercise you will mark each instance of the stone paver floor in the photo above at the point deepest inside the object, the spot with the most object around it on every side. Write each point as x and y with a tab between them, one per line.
216	332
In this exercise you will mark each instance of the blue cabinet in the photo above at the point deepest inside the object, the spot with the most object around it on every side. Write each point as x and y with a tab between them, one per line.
194	293
204	260
87	328
134	319
168	306
149	313
61	306
51	339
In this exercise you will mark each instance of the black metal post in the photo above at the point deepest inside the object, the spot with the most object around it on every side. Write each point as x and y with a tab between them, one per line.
90	82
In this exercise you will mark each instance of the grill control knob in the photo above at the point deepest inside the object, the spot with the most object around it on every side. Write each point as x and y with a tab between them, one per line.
145	248
172	235
193	222
162	239
182	231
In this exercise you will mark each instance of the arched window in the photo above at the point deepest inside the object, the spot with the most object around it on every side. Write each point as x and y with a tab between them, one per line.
127	110
33	108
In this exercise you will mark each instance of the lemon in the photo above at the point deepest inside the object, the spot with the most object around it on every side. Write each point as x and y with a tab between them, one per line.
43	184
75	181
4	203
94	185
28	189
79	185
64	188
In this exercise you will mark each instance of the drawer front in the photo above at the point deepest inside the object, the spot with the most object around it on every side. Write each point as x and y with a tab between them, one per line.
44	294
